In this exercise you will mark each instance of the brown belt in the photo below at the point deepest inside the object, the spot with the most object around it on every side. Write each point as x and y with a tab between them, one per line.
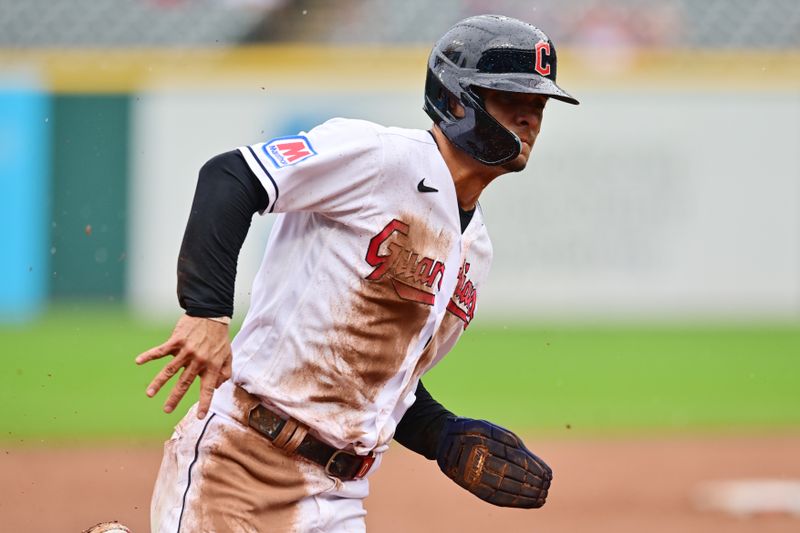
293	437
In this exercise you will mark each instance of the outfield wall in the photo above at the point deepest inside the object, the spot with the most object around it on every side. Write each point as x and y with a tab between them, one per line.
635	203
672	191
24	167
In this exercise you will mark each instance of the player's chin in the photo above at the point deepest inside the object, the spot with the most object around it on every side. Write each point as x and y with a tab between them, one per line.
517	164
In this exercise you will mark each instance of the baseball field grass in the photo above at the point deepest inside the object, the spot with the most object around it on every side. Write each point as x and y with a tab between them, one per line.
70	376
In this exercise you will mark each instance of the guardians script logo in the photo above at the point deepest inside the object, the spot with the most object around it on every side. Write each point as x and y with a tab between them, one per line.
413	276
462	304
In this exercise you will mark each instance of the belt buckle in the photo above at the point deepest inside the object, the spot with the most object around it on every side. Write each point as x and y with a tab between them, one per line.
366	463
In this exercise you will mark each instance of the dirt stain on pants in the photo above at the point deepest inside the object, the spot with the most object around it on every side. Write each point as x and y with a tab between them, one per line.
220	476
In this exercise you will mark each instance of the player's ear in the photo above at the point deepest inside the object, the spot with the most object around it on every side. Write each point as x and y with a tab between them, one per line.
455	107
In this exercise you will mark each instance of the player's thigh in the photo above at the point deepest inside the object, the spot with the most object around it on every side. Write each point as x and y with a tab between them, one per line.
230	478
172	480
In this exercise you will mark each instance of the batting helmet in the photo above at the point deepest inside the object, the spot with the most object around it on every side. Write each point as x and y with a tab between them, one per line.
494	52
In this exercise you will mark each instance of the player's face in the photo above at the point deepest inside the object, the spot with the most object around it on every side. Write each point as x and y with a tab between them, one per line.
520	113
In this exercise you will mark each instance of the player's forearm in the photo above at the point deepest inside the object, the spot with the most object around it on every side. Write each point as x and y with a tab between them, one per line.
226	197
421	425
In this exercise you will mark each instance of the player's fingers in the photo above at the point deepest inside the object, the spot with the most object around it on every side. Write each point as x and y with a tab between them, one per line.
208	384
169	347
181	387
165	375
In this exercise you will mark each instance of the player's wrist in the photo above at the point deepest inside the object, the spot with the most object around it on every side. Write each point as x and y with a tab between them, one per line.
221	319
207	314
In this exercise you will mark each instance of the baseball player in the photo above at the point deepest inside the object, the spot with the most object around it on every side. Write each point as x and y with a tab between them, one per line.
371	274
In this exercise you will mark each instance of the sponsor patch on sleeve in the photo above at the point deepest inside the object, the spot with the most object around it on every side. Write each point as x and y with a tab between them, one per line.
287	151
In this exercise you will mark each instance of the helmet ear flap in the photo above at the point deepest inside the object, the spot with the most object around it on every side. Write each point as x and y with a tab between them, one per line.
475	131
485	139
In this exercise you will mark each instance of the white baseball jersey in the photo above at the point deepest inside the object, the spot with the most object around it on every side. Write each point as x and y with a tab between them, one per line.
367	280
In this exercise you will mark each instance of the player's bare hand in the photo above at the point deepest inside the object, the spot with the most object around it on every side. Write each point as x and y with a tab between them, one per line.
199	346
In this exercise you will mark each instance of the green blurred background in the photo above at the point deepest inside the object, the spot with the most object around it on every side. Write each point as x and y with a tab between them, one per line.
647	264
70	376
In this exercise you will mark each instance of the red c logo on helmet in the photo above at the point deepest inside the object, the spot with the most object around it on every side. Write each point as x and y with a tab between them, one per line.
542	47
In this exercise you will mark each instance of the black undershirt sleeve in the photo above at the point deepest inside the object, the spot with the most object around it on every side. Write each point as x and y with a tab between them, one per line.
421	425
227	195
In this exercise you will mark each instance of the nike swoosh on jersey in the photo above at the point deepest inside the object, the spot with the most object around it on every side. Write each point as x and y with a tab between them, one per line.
421	187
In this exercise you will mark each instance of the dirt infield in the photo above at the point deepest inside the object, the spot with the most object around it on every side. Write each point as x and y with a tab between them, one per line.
608	485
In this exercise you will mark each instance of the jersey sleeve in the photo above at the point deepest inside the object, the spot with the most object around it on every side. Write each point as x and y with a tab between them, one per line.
330	169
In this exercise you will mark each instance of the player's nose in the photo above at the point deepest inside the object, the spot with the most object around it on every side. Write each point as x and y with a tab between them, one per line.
529	117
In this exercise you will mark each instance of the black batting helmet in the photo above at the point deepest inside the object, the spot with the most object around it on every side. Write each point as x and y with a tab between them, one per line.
494	52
